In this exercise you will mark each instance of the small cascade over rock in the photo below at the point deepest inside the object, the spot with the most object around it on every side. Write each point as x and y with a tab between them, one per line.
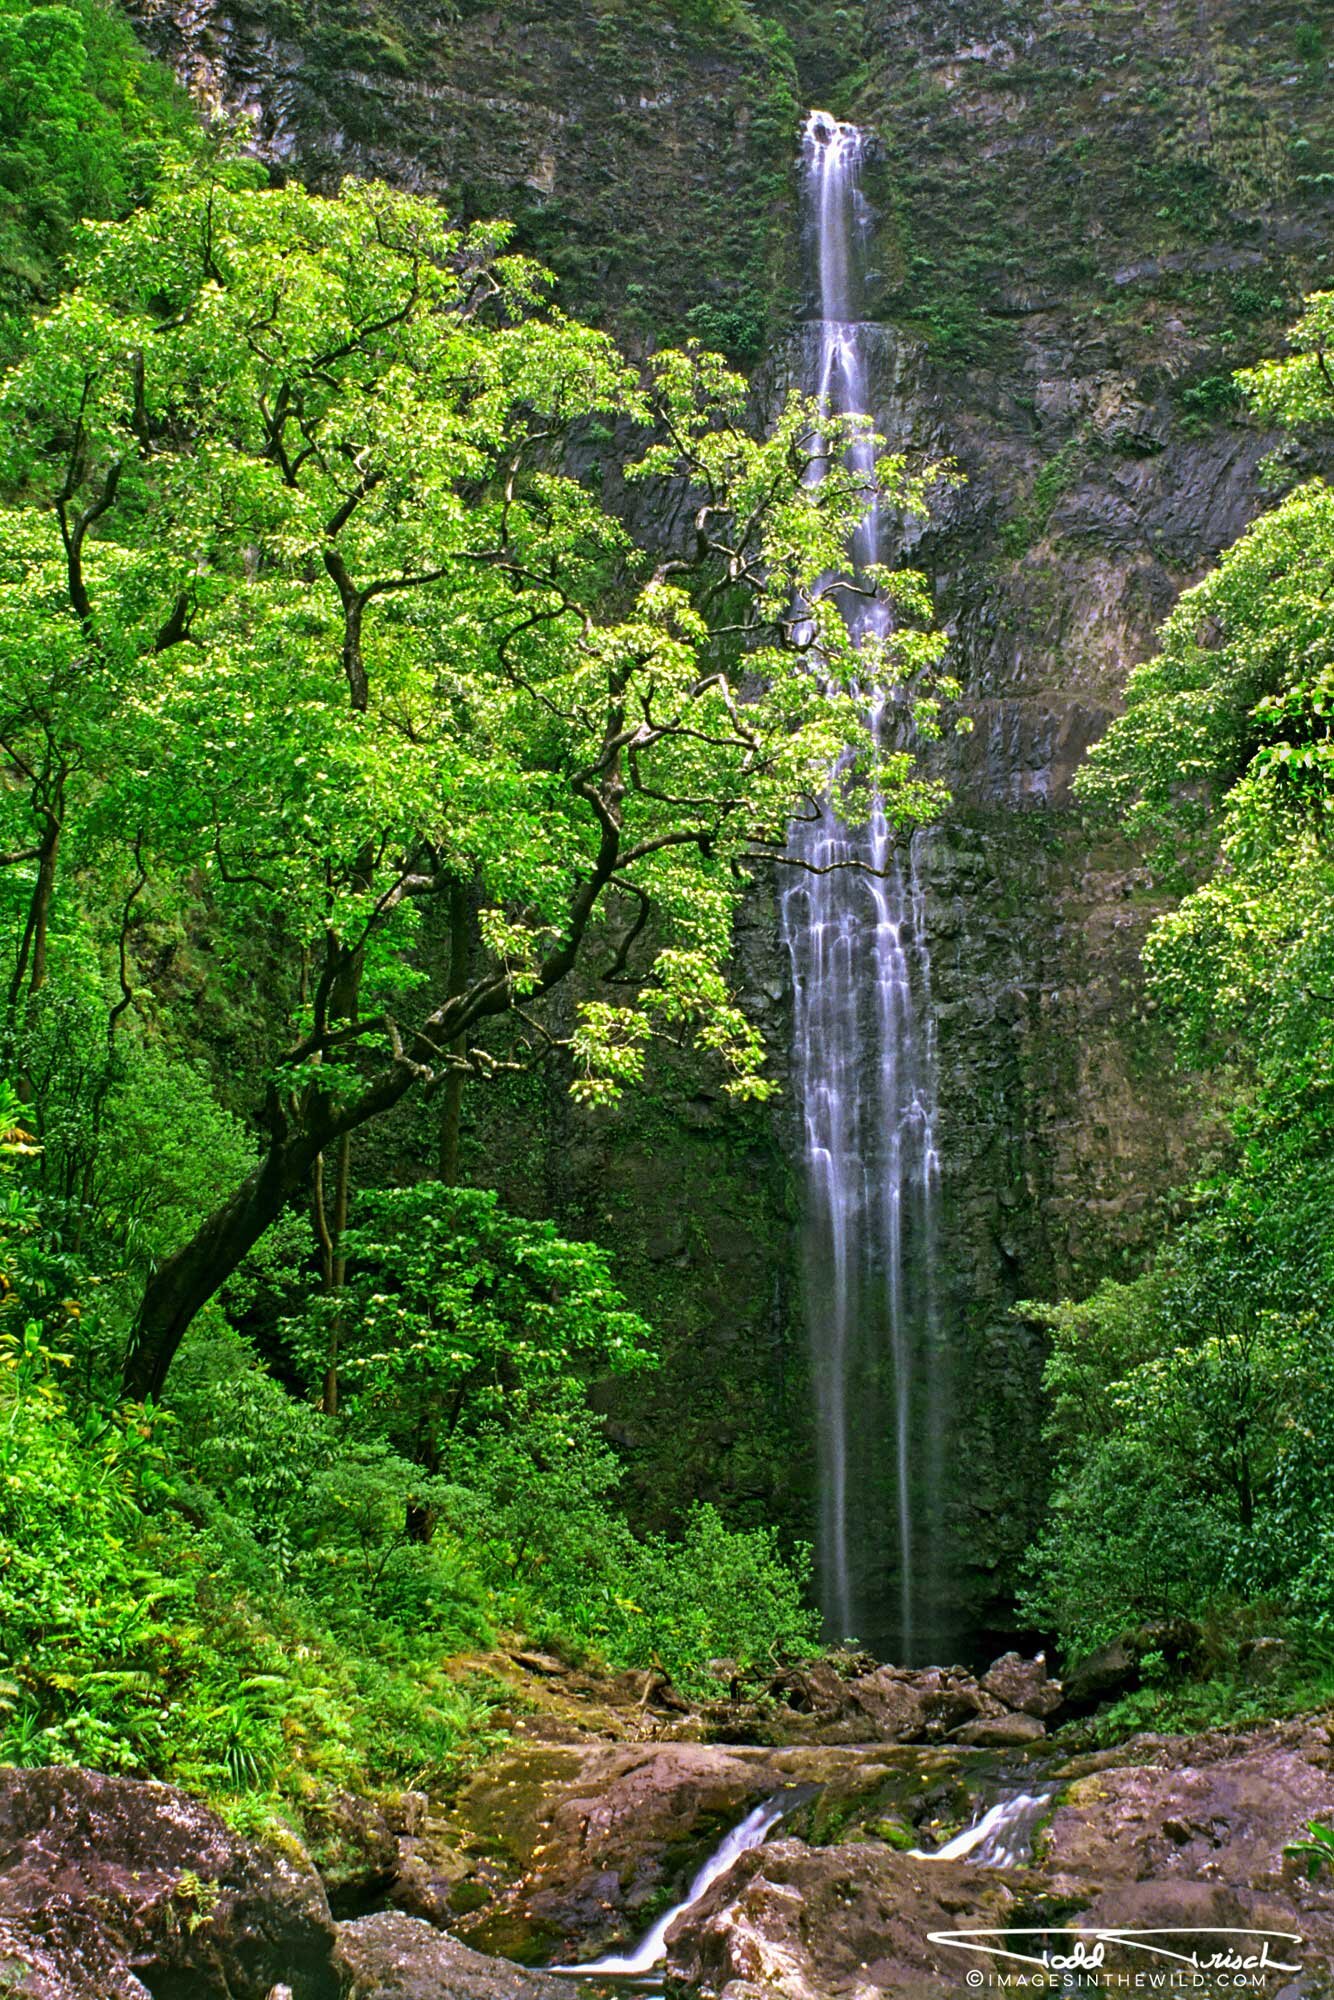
1002	1836
651	1950
864	1060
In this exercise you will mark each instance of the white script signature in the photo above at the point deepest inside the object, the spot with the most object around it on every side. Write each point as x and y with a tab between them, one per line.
1086	1951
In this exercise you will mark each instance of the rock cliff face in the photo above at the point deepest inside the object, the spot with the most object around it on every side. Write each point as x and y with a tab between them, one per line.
642	151
1083	217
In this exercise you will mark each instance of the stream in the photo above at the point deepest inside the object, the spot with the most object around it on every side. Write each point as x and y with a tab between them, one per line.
1000	1835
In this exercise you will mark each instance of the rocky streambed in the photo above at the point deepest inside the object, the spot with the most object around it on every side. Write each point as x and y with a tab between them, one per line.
910	1807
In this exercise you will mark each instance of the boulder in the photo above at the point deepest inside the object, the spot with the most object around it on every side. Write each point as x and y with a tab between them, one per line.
540	1663
817	1690
892	1707
1023	1685
849	1699
390	1956
999	1732
807	1923
354	1848
1115	1669
430	1875
1219	1807
113	1889
1103	1674
1262	1658
573	1850
1184	1833
949	1697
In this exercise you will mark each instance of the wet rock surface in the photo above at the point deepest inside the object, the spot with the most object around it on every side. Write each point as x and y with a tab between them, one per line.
389	1956
556	1852
1183	1833
571	1843
845	1699
354	1844
571	1849
581	1844
111	1889
809	1922
1200	1808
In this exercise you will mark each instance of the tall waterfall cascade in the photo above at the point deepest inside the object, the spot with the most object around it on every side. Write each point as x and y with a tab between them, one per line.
864	1062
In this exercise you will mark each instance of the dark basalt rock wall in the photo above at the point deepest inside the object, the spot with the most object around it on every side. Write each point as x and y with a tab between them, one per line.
1083	220
1083	217
642	151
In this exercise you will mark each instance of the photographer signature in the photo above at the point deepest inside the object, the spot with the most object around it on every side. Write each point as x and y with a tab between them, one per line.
1086	1951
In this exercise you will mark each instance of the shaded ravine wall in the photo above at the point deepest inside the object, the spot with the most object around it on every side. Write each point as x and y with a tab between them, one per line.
1085	215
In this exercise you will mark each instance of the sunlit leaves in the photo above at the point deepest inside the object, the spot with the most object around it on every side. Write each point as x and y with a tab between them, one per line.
1190	1407
1225	758
1299	389
294	485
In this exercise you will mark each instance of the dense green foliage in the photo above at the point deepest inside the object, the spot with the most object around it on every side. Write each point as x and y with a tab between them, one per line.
352	750
309	638
1134	180
1191	1409
86	126
340	726
264	1602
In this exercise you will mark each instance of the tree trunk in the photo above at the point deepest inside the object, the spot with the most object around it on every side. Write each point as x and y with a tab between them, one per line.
329	1228
451	1094
191	1275
31	958
45	892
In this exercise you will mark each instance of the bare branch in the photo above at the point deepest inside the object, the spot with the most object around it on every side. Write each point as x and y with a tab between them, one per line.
123	941
626	945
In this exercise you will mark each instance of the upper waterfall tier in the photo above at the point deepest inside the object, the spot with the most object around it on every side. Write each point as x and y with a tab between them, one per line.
832	153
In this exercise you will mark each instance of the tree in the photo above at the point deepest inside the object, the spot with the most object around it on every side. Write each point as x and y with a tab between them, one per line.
85	122
458	1313
1189	1430
315	618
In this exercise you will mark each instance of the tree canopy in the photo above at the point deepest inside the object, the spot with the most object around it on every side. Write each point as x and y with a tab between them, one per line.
1224	759
315	624
86	124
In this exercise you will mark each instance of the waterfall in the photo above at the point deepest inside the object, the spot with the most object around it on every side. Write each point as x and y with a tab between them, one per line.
1001	1837
864	1064
651	1950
